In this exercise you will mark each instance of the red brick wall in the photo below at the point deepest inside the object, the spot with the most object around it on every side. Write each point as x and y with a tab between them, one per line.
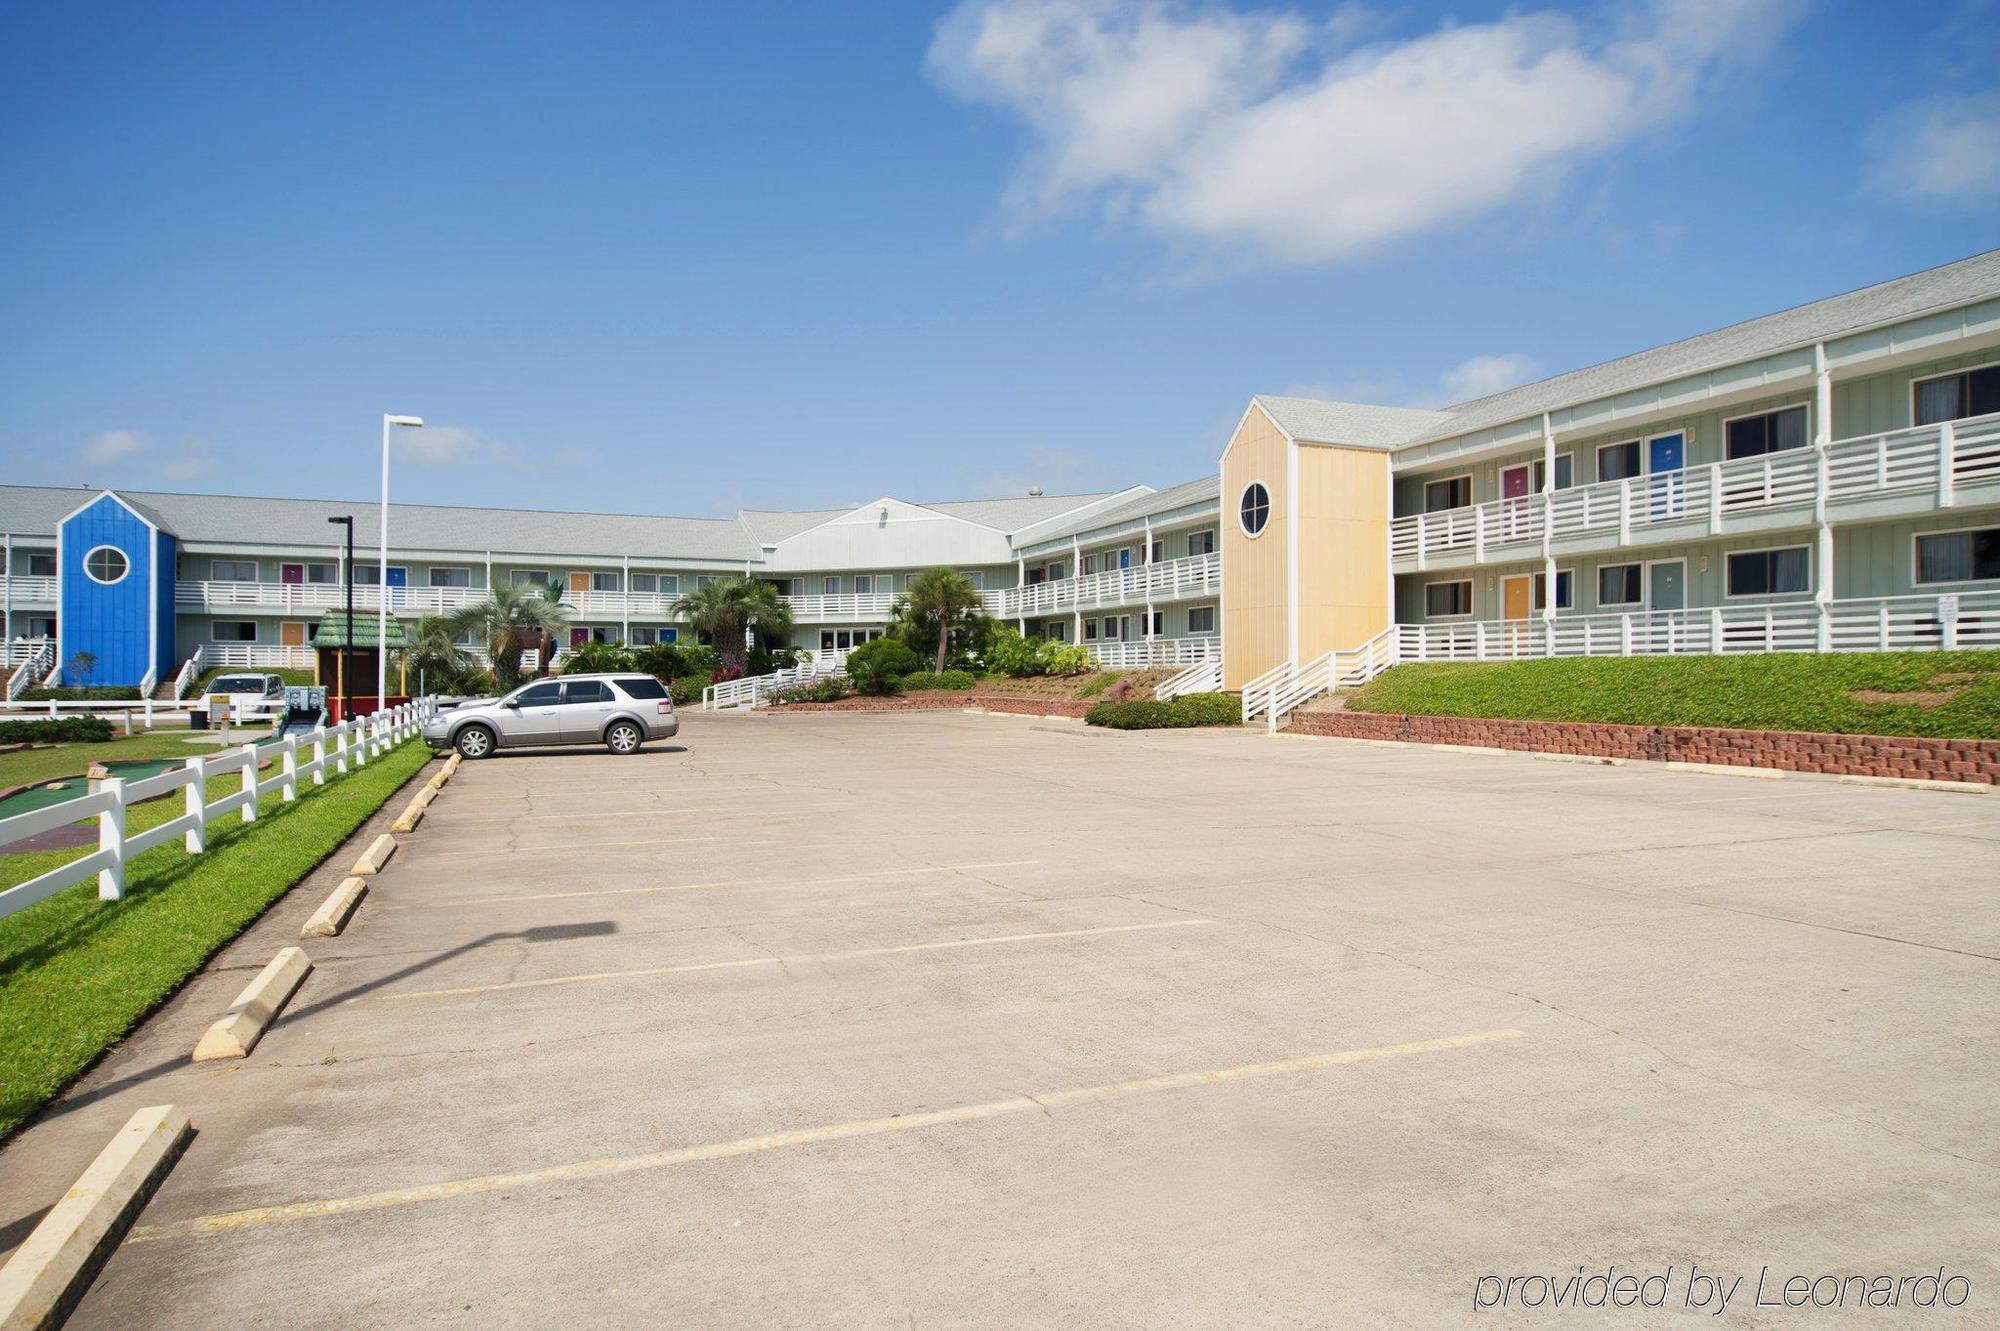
1793	751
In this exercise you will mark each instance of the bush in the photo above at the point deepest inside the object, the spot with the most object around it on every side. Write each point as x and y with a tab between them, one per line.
592	658
66	730
929	679
1060	658
687	689
875	667
820	690
1008	653
83	693
1190	709
661	660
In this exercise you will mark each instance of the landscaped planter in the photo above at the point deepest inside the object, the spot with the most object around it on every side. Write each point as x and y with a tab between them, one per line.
944	702
1928	759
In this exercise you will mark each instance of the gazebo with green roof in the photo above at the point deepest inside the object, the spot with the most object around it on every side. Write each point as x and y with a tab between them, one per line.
344	666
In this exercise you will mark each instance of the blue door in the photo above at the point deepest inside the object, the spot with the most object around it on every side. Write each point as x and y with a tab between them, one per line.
399	578
1666	455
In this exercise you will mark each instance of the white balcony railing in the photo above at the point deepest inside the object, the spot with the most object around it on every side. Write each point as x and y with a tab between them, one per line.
241	655
318	596
1143	653
32	658
1934	460
1170	580
1877	624
37	589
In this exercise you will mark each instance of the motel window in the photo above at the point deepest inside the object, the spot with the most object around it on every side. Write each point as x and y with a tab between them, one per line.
41	566
233	570
864	584
1772	432
451	577
1156	553
706	580
656	583
1090	630
1201	542
233	630
1201	619
1565	590
41	626
1057	572
1619	584
829	586
1768	572
531	577
1447	598
1959	556
1617	461
1451	492
323	573
605	582
1565	472
106	564
369	574
976	576
1956	396
1089	564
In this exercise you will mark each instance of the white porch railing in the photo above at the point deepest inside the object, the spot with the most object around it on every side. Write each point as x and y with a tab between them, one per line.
752	690
239	655
191	670
1169	580
38	588
1935	460
1283	690
1876	624
1142	653
1201	677
329	752
37	659
321	596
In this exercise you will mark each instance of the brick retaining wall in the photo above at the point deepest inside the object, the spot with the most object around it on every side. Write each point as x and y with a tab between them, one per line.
1792	751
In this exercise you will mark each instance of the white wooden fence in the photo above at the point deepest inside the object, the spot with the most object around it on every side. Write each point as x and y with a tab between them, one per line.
297	759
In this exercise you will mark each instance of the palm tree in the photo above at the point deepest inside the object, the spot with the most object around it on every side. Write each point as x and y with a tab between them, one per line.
728	609
434	655
940	603
505	620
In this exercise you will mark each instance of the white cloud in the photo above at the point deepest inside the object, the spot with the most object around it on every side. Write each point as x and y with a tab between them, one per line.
191	462
459	445
113	445
1483	376
1943	150
1268	132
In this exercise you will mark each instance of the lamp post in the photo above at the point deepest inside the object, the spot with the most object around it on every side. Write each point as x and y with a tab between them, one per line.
382	573
347	630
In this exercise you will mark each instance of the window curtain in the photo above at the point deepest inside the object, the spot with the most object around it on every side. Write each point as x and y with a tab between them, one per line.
1789	570
1788	430
1939	400
1945	558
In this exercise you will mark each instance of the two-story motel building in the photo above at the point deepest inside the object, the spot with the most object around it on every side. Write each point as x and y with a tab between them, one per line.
1823	478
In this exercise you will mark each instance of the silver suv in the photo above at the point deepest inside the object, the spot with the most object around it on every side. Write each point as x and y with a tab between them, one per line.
619	711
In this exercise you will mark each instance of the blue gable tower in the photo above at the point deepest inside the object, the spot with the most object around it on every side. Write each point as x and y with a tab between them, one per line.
115	589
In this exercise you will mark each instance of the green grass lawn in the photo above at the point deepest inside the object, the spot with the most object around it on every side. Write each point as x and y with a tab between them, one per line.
1943	694
76	973
296	676
31	766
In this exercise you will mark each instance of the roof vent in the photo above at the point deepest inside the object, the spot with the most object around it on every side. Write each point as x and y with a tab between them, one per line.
1034	492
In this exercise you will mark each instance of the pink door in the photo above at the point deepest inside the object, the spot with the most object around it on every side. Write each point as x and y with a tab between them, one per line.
1514	496
291	574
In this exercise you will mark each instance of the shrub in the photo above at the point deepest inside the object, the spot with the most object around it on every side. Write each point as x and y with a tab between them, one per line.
83	693
820	690
591	658
1008	653
686	690
876	666
661	660
927	679
1104	680
1190	709
66	730
1060	658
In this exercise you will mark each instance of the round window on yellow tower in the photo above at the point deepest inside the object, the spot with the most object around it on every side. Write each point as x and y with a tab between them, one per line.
1255	508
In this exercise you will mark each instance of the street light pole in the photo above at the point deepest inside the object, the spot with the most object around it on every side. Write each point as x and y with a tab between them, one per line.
382	569
346	657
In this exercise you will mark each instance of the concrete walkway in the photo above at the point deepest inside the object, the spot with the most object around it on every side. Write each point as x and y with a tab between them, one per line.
938	1019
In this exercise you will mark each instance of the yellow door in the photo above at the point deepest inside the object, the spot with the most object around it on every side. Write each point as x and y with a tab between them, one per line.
292	634
579	582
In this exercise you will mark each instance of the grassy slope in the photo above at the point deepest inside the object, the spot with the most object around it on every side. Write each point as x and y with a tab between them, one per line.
1774	692
77	973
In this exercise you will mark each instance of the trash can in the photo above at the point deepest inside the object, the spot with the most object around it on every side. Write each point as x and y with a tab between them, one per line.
198	718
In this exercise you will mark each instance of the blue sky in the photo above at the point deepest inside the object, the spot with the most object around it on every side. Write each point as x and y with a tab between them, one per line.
681	258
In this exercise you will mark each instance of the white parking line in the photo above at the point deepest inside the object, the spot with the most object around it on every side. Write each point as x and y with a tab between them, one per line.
719	882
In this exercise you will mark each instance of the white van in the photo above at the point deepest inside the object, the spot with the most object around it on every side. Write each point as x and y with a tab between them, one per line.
252	697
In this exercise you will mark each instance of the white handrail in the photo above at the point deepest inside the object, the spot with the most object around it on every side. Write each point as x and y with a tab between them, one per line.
1204	676
191	670
332	750
31	669
751	690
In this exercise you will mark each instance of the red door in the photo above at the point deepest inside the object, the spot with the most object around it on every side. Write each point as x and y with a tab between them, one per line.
1514	494
291	573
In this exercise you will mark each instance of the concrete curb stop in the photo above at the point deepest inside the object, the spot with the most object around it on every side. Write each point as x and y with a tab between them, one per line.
1921	783
46	1276
412	814
1730	769
374	857
332	914
237	1031
1590	759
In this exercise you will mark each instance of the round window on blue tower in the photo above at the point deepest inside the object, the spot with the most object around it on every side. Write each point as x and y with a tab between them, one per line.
107	564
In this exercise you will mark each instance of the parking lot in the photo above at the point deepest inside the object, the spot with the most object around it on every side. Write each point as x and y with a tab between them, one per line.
940	1018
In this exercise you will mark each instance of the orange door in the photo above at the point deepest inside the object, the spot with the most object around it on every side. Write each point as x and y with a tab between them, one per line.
1517	597
292	634
579	582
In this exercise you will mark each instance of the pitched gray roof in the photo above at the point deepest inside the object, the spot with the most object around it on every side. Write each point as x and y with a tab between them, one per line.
770	526
1202	490
1960	283
35	510
1353	423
